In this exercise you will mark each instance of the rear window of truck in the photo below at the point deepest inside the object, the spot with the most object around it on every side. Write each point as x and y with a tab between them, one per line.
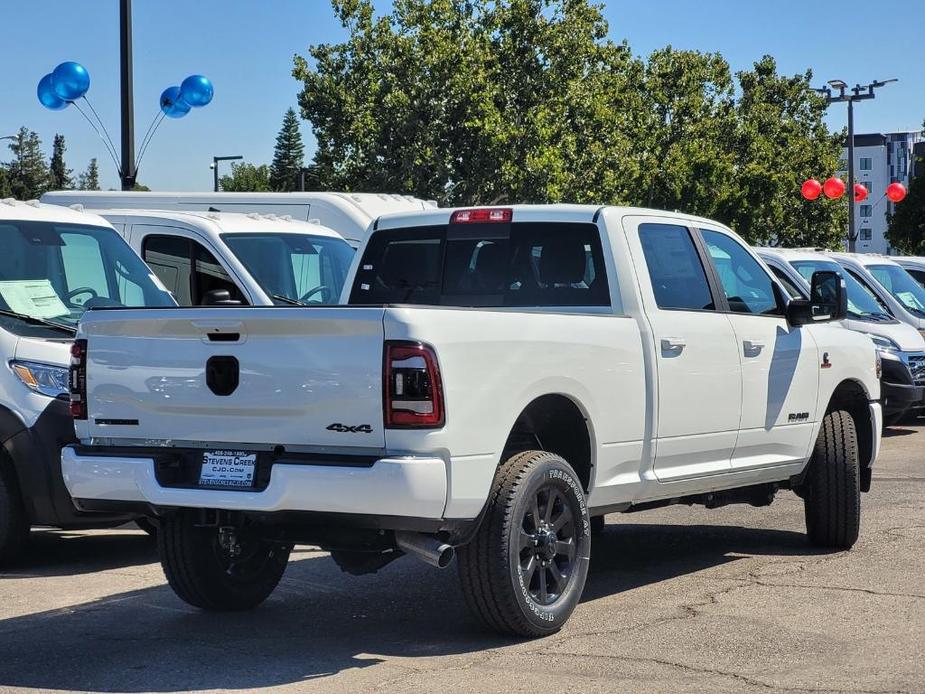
489	265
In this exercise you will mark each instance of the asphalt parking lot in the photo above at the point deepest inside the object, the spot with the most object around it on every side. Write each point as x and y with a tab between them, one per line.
678	600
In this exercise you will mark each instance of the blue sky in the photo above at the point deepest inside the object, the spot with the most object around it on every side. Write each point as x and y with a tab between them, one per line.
246	48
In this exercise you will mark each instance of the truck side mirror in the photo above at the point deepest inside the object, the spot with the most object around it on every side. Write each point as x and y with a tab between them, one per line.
828	300
219	297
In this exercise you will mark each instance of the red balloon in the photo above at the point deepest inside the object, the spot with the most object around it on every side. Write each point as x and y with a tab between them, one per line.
833	188
860	192
811	189
896	192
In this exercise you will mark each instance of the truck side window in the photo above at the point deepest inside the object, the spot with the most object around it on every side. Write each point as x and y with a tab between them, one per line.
187	269
748	288
677	275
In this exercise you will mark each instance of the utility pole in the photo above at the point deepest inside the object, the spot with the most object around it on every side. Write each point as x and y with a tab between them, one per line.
128	95
857	93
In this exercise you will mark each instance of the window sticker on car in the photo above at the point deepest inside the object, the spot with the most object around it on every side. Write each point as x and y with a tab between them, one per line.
33	297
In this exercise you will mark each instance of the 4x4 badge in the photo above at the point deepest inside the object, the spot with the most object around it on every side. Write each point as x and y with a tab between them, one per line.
348	429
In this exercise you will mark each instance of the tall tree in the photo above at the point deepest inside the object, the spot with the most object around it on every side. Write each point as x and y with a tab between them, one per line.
28	173
288	155
60	175
780	140
906	232
480	101
90	179
247	178
472	101
5	190
686	114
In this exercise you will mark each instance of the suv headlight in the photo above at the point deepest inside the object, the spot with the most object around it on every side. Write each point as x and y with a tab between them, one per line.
884	344
51	381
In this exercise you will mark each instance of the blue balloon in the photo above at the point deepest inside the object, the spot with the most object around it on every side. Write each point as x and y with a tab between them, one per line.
71	81
47	96
196	90
172	104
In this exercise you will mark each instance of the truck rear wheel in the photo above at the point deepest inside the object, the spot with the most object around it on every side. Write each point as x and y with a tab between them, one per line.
219	569
832	489
524	571
14	525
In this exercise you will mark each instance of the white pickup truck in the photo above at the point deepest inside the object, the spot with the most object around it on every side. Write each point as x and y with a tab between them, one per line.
499	380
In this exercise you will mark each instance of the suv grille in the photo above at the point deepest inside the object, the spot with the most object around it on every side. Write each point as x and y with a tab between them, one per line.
917	367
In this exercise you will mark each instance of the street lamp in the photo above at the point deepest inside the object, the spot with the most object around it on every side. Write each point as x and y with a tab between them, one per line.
214	167
857	93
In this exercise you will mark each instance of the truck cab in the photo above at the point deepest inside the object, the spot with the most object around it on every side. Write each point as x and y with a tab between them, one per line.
901	347
56	264
226	258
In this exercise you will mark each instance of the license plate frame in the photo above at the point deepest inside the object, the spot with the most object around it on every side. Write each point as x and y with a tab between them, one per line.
227	469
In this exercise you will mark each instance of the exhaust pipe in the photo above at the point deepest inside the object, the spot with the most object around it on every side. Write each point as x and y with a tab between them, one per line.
426	548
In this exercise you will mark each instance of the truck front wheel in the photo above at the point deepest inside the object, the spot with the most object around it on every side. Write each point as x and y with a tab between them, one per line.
832	489
219	569
524	571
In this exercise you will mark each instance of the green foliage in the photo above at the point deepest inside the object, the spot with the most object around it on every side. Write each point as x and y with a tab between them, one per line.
5	190
288	155
247	178
59	173
779	140
27	172
89	179
140	187
906	232
481	101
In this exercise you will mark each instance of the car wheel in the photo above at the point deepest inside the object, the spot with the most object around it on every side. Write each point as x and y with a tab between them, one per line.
524	571
14	524
832	487
221	569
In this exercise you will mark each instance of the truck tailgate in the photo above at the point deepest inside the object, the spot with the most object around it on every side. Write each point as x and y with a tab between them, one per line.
261	376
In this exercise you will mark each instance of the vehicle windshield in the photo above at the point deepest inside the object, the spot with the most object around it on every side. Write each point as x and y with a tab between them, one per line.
862	303
294	268
54	272
902	286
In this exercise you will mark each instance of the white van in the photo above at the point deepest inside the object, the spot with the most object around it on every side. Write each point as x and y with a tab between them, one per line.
896	288
901	347
54	265
221	258
349	214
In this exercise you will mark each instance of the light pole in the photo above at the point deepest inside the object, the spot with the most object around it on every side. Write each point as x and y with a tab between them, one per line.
857	93
128	172
214	167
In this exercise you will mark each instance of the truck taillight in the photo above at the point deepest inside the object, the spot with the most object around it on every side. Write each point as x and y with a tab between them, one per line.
482	215
412	391
77	379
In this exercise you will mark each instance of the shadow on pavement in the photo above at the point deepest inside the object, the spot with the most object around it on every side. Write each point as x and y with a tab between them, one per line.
320	621
898	430
63	553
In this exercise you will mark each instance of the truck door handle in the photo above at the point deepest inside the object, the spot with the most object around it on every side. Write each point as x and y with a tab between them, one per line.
673	346
752	348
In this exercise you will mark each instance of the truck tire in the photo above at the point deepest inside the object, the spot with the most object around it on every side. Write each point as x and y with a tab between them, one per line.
525	569
832	489
202	573
14	525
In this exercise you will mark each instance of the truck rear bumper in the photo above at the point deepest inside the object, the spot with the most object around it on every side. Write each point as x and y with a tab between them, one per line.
413	487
